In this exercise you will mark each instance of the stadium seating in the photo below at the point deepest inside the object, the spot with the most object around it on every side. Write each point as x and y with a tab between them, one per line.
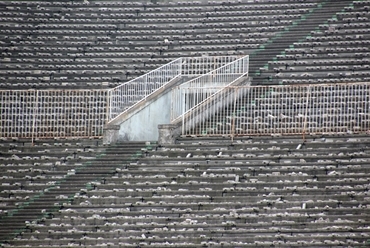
310	190
280	191
75	44
29	169
334	52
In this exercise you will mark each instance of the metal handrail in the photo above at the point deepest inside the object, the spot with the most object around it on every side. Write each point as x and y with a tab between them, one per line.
125	96
185	96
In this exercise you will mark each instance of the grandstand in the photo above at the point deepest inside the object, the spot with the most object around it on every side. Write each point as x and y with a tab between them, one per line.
237	123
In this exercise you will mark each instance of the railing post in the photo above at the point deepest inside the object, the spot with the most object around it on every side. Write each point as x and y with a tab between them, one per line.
180	66
146	85
306	112
235	91
108	109
35	107
183	107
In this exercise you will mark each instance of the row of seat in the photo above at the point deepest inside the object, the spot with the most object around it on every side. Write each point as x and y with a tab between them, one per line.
28	169
334	53
93	27
201	192
150	6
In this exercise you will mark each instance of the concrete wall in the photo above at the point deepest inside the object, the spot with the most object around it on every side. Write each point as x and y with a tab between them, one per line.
143	124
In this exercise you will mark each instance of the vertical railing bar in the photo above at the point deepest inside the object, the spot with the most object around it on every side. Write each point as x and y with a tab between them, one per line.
235	91
305	115
2	112
366	92
355	104
360	107
183	110
348	109
34	116
247	104
365	114
330	99
108	108
273	103
365	109
331	90
357	99
312	117
323	107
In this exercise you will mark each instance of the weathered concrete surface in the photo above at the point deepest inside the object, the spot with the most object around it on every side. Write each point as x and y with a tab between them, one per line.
110	134
167	133
141	122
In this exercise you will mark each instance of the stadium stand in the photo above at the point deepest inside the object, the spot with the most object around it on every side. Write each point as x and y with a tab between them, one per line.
333	52
293	172
74	44
252	192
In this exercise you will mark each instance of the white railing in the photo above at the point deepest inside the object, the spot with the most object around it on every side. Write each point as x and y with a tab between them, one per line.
52	113
125	96
280	110
84	113
233	111
196	66
191	93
